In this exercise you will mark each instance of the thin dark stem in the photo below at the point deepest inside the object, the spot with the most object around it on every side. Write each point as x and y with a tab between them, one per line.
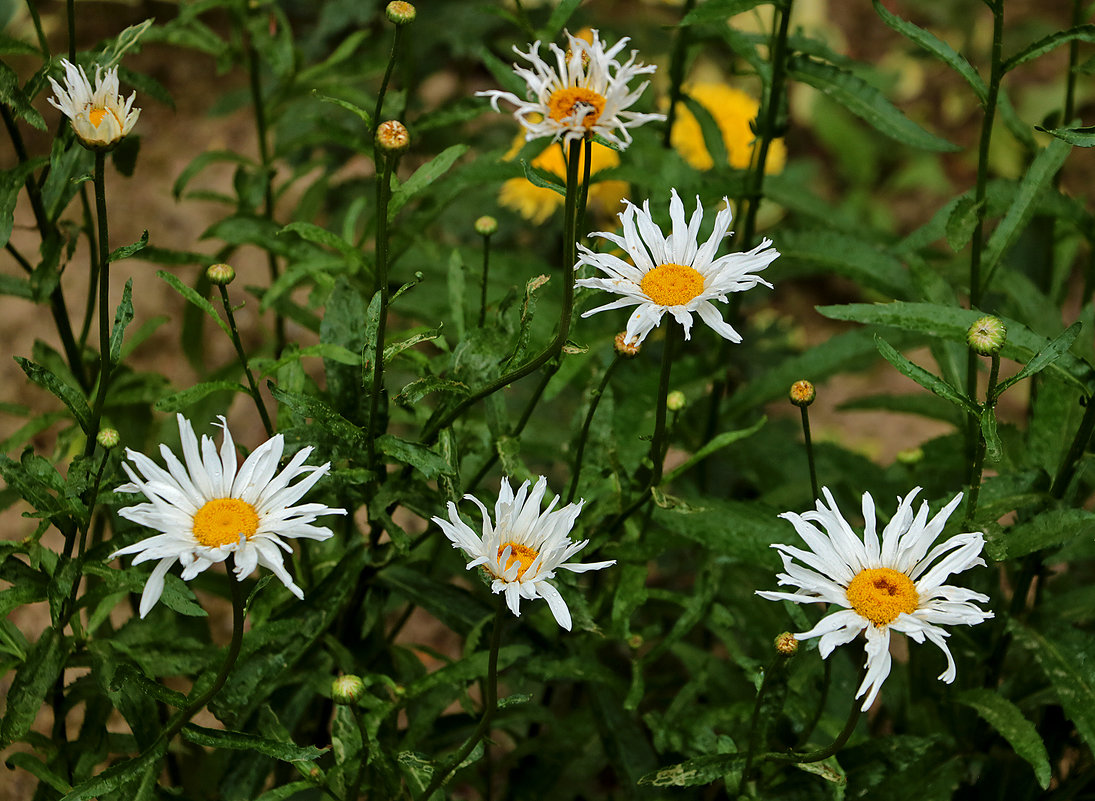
355	786
774	668
826	752
1079	444
104	303
826	681
555	347
19	258
490	706
483	284
387	77
93	248
979	453
659	444
383	194
70	6
809	450
579	451
238	344
1073	59
43	45
676	74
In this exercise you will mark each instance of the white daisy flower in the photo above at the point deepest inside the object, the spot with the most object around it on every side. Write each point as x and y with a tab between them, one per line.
674	273
207	509
882	587
99	117
585	93
523	548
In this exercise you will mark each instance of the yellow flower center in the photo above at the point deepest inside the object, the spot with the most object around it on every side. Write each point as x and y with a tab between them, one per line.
518	553
881	594
672	284
562	103
96	116
222	521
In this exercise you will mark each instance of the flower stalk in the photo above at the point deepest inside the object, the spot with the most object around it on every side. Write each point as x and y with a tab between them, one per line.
104	302
579	450
237	343
383	195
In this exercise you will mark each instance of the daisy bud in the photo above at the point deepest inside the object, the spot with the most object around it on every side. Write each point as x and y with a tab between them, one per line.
347	689
635	642
220	274
987	335
802	393
108	438
392	137
786	644
628	348
910	456
399	12
675	401
485	225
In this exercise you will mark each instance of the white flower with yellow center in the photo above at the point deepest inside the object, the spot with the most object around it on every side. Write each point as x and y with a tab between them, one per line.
674	273
585	93
207	509
523	548
892	585
99	116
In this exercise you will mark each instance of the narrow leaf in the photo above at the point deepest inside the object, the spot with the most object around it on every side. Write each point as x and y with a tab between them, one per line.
125	251
191	395
423	177
718	11
924	378
538	178
962	222
32	681
361	113
1005	717
694	772
122	318
1045	357
1081	33
69	395
194	298
241	741
418	456
1078	137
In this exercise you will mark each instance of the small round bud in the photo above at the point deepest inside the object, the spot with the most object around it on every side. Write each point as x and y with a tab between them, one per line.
802	393
485	225
675	401
399	691
392	137
399	12
108	438
220	274
987	335
786	644
635	641
347	689
628	348
910	456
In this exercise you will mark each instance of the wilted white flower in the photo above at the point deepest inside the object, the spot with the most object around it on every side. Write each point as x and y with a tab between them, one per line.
99	117
522	548
673	273
585	93
885	586
207	509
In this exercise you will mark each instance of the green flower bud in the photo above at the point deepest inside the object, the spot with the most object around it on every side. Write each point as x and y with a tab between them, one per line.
786	644
399	12
987	335
392	137
485	226
347	689
675	401
220	274
802	393
108	438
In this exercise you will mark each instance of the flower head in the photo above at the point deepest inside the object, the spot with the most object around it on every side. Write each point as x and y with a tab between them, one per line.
987	335
523	548
99	117
537	203
734	112
673	273
881	586
207	509
586	92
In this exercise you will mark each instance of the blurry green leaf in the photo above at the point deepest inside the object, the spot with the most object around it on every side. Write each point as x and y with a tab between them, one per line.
454	606
1045	357
457	293
241	741
125	40
828	252
418	456
182	399
311	406
1049	529
1038	178
69	395
694	772
558	20
122	317
423	177
994	449
1081	33
33	679
195	299
361	113
11	184
962	222
124	155
13	96
1078	137
924	378
415	391
321	236
201	162
709	130
747	539
118	774
929	406
952	323
866	102
285	791
936	46
29	763
542	178
1005	717
718	443
718	11
1065	657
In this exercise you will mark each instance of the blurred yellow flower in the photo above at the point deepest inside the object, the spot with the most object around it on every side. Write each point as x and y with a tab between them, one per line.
538	204
732	110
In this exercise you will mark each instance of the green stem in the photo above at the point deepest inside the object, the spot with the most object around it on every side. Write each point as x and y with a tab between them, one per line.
70	7
383	194
387	77
579	451
809	450
826	681
659	443
238	344
676	75
1076	450
104	303
483	285
555	347
93	248
774	668
826	752
979	453
490	706
355	786
43	45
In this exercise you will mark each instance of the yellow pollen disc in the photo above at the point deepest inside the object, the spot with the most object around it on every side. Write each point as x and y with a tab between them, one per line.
881	594
562	102
221	521
672	284
518	553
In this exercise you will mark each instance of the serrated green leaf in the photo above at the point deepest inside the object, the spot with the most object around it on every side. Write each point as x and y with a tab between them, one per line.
122	318
1081	33
321	236
124	41
311	406
937	47
423	177
125	251
32	680
1047	530
241	741
13	96
1045	357
924	378
962	222
866	102
418	456
118	774
69	395
694	772
994	449
1005	717
827	252
34	766
1077	137
195	299
542	179
718	443
182	399
361	113
718	11
415	391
